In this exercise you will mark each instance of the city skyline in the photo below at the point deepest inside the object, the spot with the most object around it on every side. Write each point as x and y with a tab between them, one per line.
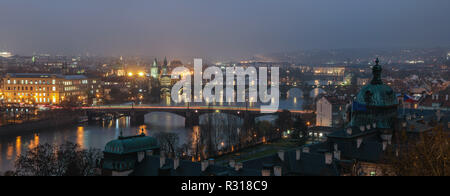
201	28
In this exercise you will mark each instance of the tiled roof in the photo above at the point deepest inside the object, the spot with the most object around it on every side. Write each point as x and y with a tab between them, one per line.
33	75
310	164
126	145
369	150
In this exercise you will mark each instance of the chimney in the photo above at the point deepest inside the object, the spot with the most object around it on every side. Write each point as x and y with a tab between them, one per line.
438	115
337	154
176	163
298	153
384	145
359	142
238	166
328	158
349	131
281	155
362	128
386	137
204	165
232	163
162	161
404	124
277	170
211	162
265	172
306	149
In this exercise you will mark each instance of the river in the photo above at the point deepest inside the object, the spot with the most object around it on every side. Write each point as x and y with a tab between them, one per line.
98	134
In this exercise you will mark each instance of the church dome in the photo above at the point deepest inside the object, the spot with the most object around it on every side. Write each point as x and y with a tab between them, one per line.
376	93
375	103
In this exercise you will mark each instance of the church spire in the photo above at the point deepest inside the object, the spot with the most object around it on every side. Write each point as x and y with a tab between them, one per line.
165	61
376	71
155	62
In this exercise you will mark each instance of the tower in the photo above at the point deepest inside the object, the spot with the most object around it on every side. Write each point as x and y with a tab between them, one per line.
164	68
154	69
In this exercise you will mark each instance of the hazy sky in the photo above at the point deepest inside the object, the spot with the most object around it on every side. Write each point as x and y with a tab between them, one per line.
219	27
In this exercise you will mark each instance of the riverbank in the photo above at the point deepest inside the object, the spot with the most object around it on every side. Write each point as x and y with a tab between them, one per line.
56	120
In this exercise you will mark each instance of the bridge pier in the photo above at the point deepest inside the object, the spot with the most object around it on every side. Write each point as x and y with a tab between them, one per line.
249	121
137	118
192	119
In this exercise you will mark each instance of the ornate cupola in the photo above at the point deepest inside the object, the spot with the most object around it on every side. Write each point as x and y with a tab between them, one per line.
376	71
377	103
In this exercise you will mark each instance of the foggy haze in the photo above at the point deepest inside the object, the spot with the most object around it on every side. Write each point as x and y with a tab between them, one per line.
218	28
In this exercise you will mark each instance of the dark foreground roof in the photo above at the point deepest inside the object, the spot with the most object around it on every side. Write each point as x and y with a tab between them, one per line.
151	167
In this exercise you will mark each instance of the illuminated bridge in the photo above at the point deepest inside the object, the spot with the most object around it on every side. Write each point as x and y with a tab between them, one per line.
190	113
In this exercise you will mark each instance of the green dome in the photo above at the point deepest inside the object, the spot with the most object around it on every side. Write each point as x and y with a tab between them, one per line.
378	95
377	103
125	145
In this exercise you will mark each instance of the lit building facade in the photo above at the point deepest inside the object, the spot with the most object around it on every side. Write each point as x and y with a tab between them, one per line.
329	71
51	89
331	111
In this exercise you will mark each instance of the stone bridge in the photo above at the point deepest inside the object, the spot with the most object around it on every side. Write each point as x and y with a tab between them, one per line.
191	114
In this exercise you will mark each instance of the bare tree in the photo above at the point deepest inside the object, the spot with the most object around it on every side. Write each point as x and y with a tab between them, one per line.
427	156
168	142
53	160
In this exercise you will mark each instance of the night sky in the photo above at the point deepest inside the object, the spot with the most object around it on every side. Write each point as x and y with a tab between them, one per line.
218	28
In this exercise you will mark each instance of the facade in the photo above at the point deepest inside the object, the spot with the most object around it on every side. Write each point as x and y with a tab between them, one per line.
329	71
436	101
51	89
331	111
